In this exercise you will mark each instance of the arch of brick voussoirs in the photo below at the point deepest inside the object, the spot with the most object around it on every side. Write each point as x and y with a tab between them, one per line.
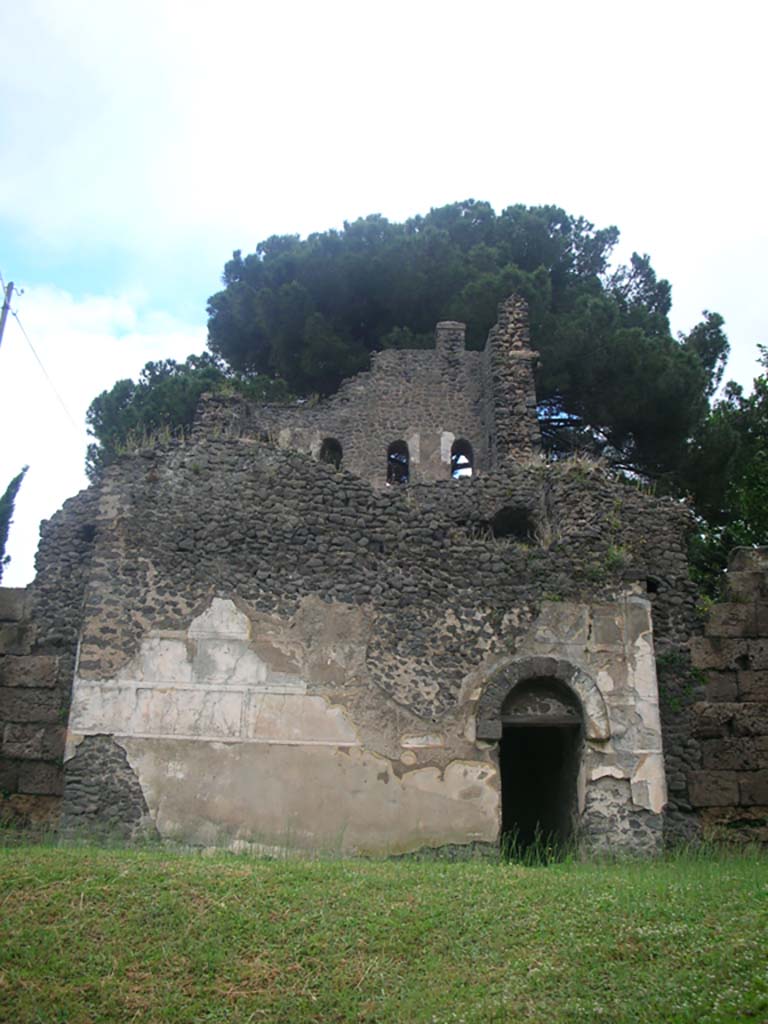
512	671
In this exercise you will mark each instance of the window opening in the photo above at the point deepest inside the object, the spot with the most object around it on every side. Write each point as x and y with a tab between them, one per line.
515	523
331	452
462	460
398	463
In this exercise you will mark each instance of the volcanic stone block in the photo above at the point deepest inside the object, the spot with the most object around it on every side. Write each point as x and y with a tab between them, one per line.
29	705
732	620
40	777
736	824
753	686
748	560
32	670
38	742
13	638
721	686
719	653
9	775
736	754
729	719
713	789
757	655
747	586
761	618
753	787
12	604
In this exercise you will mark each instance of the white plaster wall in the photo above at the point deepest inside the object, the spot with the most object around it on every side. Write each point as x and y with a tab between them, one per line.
230	750
230	746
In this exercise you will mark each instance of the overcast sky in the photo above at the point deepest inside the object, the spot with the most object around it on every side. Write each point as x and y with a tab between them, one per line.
141	143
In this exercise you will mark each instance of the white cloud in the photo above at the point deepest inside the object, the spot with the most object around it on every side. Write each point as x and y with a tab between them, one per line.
166	121
85	346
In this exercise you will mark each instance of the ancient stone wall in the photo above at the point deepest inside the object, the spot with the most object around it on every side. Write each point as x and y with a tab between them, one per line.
39	632
274	650
730	723
511	425
428	399
357	630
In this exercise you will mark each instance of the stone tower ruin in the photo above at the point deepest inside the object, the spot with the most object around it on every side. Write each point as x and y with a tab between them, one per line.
375	624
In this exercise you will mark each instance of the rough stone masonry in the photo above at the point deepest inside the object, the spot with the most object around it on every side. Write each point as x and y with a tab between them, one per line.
374	624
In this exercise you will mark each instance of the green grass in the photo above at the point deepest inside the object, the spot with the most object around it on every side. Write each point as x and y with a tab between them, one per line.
93	935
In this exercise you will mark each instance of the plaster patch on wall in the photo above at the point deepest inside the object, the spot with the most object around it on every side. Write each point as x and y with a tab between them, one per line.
562	622
427	740
281	717
446	444
311	797
414	447
606	771
642	661
211	685
221	619
649	787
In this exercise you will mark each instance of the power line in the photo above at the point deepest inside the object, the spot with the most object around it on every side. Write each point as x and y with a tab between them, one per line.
45	372
7	292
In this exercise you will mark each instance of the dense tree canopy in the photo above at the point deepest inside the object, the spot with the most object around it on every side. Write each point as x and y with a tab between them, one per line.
612	376
726	472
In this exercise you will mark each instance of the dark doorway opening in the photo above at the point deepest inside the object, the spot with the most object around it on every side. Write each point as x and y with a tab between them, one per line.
515	523
538	765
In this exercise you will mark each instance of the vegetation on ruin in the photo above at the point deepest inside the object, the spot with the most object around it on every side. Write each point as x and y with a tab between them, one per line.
98	935
163	399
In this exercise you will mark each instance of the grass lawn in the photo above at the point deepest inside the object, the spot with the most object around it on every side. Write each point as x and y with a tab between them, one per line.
138	935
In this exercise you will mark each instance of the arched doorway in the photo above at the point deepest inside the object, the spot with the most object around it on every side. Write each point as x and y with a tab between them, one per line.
540	710
539	759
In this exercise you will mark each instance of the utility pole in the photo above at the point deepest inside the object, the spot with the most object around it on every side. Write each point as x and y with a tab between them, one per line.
6	306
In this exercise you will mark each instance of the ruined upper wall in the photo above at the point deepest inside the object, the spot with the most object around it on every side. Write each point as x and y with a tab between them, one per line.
241	516
426	398
510	391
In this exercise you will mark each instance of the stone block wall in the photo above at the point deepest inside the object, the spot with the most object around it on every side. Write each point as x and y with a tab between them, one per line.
32	730
39	633
730	723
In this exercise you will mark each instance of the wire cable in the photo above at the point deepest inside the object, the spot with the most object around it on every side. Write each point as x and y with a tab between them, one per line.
45	372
